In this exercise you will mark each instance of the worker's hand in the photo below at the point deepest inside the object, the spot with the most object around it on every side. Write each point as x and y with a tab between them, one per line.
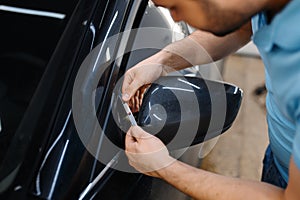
135	102
139	78
146	153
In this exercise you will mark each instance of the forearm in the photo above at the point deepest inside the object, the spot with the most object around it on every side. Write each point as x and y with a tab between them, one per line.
202	48
200	184
219	47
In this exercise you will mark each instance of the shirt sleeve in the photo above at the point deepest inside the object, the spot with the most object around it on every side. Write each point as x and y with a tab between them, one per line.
292	98
296	145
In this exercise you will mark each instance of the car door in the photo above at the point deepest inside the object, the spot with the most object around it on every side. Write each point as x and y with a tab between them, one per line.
46	158
67	141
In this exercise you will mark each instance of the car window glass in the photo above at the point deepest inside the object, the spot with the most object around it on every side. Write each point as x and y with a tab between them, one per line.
30	33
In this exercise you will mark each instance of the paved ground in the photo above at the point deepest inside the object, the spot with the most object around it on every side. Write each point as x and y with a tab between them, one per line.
239	151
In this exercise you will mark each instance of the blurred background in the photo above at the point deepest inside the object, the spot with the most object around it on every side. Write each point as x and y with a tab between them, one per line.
239	151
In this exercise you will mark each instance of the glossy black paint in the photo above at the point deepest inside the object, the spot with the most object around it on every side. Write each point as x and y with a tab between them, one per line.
46	159
24	54
174	91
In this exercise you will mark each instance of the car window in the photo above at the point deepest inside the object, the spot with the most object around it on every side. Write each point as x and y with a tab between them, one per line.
29	34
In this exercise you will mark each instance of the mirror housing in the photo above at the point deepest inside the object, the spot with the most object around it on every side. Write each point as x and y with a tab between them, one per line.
184	111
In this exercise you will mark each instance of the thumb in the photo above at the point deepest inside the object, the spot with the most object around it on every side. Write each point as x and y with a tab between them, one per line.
138	133
130	85
131	90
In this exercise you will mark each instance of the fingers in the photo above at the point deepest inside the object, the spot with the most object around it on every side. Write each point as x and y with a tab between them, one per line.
128	79
146	155
142	91
136	101
138	133
130	142
131	84
134	135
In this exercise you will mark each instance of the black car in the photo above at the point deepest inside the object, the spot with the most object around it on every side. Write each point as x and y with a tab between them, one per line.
43	47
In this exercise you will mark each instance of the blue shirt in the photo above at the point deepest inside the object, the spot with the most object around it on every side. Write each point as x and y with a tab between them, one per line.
279	46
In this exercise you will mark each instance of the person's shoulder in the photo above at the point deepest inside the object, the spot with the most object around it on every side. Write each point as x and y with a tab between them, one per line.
286	26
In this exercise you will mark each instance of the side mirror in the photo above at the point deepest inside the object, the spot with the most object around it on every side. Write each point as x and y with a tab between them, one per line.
183	111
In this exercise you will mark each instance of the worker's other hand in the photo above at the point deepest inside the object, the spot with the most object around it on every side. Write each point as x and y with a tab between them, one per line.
138	79
146	153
